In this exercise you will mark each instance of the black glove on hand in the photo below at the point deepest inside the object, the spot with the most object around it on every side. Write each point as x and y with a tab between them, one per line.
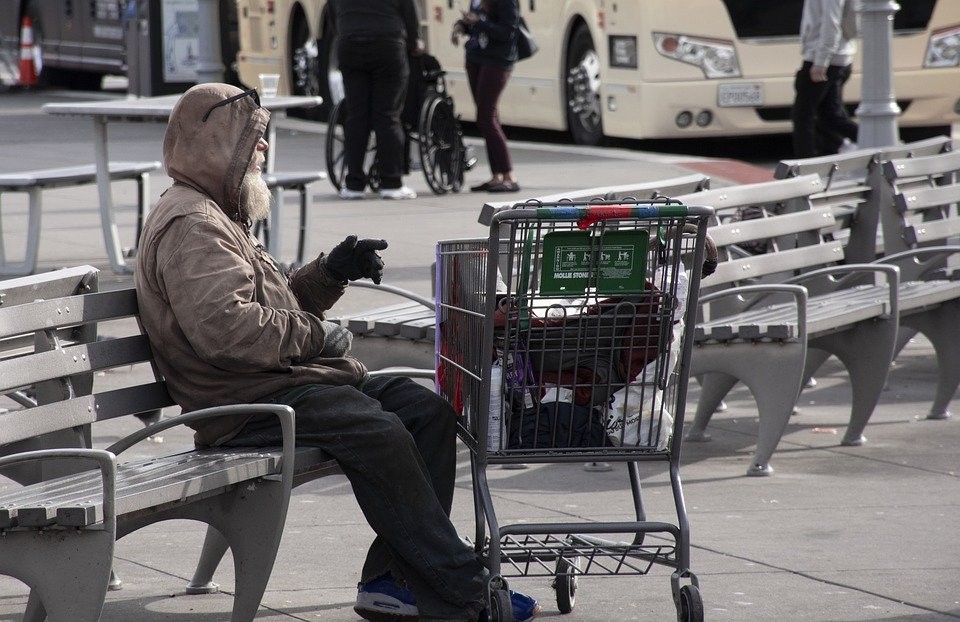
351	260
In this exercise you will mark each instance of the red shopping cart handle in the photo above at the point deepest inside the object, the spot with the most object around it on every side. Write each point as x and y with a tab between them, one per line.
587	216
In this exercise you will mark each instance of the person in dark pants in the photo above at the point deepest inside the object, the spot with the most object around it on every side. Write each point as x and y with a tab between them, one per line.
375	38
227	326
821	125
491	52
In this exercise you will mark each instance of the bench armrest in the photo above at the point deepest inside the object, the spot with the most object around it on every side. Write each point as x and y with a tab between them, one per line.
427	302
798	292
281	411
927	253
891	275
106	461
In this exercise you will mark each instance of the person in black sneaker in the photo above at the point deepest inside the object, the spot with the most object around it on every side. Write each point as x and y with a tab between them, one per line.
375	38
491	51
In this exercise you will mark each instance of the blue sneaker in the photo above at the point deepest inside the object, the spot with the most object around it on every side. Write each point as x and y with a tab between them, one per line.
384	599
524	608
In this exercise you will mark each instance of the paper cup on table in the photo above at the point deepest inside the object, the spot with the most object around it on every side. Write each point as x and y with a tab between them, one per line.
269	83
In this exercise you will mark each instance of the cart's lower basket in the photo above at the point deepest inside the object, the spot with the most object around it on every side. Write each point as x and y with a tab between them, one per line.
562	338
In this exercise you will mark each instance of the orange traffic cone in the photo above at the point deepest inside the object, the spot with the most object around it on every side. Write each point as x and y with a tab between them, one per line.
28	70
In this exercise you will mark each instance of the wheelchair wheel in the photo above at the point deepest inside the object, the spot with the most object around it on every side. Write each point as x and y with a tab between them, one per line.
334	148
337	156
441	148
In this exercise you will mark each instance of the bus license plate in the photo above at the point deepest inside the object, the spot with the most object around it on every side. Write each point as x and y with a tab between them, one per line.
733	95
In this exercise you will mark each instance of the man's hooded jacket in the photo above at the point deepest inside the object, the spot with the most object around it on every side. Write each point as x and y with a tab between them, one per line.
225	324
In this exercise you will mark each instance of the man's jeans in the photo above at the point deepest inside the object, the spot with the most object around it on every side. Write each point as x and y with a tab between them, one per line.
396	442
818	114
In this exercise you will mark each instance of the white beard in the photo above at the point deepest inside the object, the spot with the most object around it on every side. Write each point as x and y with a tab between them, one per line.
254	196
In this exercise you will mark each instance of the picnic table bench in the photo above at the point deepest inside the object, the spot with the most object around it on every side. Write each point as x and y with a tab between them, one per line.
59	527
35	182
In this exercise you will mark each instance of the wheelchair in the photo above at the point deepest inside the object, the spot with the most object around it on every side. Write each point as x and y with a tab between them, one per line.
429	122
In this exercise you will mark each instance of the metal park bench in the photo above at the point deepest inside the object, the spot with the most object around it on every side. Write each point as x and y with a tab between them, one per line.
900	204
921	234
780	295
58	528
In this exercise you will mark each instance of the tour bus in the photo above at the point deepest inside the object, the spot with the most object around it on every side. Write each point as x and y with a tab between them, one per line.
77	41
632	68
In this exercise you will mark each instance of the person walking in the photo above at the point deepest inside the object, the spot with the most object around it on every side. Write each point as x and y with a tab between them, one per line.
226	326
491	52
375	38
821	125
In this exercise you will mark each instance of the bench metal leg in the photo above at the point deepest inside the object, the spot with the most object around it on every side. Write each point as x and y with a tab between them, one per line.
771	371
143	205
941	328
71	589
29	263
276	209
214	548
250	518
302	238
866	351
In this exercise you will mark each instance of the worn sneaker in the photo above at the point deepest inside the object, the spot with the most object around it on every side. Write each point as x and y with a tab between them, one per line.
524	608
350	195
384	599
402	192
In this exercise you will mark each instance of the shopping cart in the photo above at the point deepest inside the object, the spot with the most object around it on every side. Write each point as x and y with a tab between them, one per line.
562	338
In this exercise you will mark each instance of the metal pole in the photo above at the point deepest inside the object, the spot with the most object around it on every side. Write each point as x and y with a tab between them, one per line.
878	109
209	67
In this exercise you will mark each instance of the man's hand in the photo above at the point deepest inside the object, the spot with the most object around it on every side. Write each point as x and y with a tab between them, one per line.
351	260
336	340
818	73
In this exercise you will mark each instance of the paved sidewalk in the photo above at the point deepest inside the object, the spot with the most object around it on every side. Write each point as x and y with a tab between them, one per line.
837	533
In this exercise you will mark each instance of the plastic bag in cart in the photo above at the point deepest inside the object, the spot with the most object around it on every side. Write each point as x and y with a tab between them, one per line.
637	415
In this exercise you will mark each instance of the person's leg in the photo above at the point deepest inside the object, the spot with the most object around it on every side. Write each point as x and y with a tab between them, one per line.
433	425
386	103
356	126
489	84
804	112
405	495
831	113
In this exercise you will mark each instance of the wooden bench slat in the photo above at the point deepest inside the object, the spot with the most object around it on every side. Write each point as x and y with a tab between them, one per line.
765	228
68	311
75	359
83	410
161	481
755	266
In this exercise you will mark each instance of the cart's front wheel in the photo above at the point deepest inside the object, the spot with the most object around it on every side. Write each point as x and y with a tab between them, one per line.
566	585
690	606
501	609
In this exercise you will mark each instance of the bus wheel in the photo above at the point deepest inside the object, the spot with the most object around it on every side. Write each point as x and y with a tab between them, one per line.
583	89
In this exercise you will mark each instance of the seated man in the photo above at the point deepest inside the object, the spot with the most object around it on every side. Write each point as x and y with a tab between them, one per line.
227	326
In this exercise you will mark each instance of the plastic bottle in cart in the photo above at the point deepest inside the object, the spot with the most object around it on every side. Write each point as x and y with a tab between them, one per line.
495	417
